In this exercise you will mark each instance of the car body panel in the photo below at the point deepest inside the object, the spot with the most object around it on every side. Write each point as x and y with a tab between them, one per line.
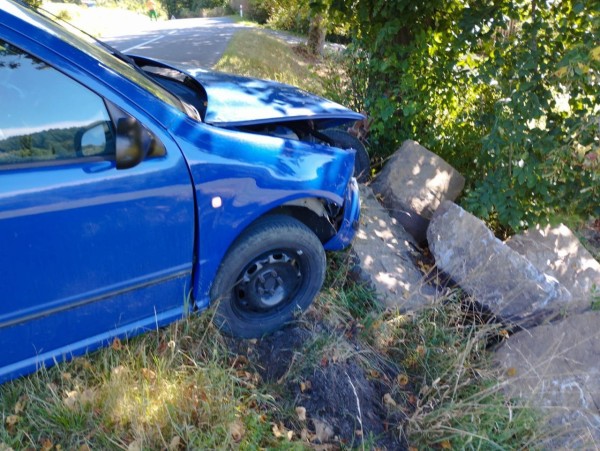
91	252
246	190
234	100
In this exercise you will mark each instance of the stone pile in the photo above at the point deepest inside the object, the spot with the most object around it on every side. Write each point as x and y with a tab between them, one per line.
542	284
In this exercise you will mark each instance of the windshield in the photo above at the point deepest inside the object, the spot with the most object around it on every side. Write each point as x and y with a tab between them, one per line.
96	49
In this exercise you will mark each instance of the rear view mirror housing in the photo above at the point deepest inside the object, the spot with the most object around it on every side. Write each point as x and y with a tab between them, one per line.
130	148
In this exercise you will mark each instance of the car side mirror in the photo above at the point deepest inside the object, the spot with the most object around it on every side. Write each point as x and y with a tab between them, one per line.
130	148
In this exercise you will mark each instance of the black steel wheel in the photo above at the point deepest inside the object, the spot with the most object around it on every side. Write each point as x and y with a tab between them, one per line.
344	140
270	274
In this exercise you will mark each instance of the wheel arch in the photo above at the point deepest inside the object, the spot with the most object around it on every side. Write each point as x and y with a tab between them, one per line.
313	213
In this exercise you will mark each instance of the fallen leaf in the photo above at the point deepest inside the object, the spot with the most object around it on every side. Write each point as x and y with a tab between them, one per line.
116	345
21	404
402	379
279	430
175	443
237	430
72	399
46	445
118	370
374	374
323	431
148	374
240	361
388	400
85	364
305	435
162	347
88	396
301	412
11	420
305	386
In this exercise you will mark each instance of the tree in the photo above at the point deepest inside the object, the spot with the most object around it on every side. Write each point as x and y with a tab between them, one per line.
506	91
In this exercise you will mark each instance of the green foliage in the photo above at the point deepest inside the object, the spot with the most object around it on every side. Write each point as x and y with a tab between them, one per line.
63	14
505	91
34	3
194	8
259	11
291	15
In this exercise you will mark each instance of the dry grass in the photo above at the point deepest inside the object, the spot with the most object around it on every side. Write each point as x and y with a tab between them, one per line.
257	54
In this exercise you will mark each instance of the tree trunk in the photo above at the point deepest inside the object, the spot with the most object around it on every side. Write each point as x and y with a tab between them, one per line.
316	35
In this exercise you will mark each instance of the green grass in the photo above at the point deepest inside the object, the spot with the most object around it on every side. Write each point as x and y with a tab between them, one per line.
257	54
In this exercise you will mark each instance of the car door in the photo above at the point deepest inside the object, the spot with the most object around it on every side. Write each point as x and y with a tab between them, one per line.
87	251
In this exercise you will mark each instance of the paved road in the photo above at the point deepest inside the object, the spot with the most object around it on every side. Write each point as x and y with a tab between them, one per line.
200	42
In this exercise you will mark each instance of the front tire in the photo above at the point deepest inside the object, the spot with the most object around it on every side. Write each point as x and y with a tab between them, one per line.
270	274
344	140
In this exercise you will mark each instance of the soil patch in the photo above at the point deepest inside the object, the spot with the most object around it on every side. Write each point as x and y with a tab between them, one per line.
343	403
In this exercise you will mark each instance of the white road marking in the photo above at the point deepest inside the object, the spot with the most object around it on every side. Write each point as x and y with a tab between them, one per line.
142	44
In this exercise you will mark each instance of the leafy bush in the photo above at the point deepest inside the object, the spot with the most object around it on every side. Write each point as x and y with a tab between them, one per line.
290	15
259	11
504	91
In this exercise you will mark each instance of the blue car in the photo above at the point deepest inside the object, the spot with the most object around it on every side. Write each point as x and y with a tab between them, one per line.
133	192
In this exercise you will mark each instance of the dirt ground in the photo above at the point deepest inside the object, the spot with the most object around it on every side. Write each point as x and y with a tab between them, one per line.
343	403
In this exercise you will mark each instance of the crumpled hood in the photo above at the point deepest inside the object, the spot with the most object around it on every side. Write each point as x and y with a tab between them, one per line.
239	101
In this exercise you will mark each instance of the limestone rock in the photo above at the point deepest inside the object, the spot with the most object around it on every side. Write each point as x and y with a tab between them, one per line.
556	368
387	254
493	274
556	251
412	185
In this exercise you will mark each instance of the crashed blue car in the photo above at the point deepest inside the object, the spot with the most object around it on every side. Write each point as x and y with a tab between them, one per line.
133	192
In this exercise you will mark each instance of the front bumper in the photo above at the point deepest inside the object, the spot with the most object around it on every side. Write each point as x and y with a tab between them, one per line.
350	223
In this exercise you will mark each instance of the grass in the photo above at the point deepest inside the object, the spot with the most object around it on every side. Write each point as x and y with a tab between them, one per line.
188	387
256	53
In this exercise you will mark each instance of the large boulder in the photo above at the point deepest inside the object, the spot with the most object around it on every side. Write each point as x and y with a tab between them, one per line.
413	183
494	275
556	368
557	251
387	255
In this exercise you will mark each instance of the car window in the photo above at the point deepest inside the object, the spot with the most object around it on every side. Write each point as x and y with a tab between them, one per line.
46	115
97	49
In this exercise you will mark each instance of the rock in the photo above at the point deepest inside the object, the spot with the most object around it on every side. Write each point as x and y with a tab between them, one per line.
412	185
494	275
387	258
556	368
557	251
